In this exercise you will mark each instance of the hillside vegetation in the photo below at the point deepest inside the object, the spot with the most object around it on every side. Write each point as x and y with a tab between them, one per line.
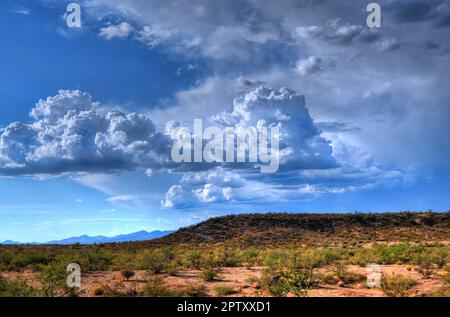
277	229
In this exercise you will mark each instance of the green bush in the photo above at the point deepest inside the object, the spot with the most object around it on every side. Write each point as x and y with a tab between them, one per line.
250	257
400	253
440	257
194	259
195	291
397	285
16	288
53	279
209	274
342	275
5	261
229	258
33	260
363	257
98	260
424	261
155	261
156	288
224	290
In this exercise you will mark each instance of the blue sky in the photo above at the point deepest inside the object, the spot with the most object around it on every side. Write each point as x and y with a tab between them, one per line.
84	113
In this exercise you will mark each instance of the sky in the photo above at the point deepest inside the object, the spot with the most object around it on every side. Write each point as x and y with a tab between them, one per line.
88	115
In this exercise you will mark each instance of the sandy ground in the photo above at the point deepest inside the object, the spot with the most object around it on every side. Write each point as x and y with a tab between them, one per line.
240	280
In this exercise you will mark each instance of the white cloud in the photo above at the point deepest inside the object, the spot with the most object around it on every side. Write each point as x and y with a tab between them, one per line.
121	30
310	164
308	66
22	10
69	135
155	34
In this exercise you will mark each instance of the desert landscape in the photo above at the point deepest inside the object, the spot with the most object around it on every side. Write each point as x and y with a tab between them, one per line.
316	255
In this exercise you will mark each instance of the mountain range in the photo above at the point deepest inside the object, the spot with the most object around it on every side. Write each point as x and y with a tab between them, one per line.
84	239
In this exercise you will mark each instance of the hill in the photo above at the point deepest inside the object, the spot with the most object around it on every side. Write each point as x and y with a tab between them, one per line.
277	229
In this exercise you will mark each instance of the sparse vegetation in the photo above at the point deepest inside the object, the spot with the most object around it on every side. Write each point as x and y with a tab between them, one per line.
53	280
290	254
397	285
224	290
155	261
209	275
156	288
16	288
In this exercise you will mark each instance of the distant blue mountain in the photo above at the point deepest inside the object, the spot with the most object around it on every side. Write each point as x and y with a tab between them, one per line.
84	239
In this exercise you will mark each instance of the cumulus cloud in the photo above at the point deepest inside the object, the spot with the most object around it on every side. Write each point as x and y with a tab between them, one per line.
69	134
308	66
121	30
308	168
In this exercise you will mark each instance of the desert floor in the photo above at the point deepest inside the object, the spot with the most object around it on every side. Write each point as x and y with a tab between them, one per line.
240	280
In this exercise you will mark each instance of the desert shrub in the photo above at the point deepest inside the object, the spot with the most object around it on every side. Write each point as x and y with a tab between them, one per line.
155	261
210	259
173	269
16	288
168	253
275	259
5	261
252	280
97	260
194	259
33	260
250	257
341	274
363	257
275	284
397	285
127	274
224	290
123	260
209	274
400	253
156	288
195	291
442	292
228	258
424	261
113	290
325	257
53	279
440	257
289	271
279	285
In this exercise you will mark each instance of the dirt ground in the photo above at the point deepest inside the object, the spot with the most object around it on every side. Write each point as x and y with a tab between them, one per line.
240	280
